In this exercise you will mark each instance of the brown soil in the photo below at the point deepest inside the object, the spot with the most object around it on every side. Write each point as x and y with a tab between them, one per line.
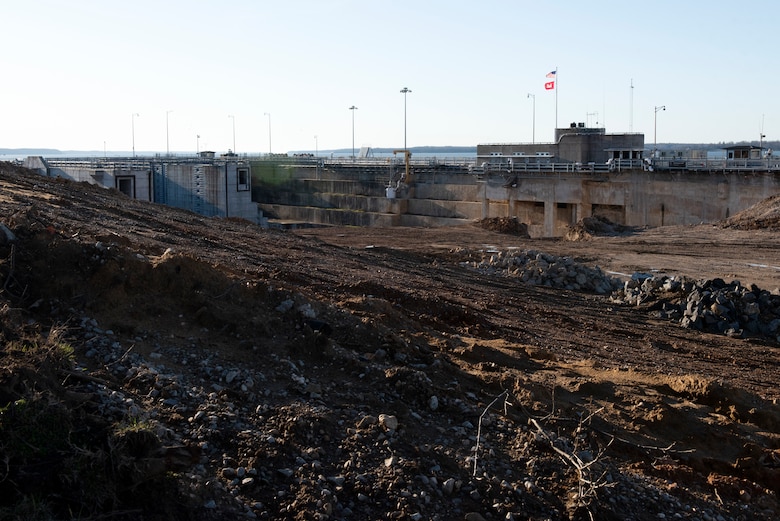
763	216
381	321
509	225
595	225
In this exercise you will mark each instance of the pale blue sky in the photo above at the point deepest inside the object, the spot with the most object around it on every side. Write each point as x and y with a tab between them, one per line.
74	72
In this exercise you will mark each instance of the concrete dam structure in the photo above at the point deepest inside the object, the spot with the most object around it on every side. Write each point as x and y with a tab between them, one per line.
547	197
548	186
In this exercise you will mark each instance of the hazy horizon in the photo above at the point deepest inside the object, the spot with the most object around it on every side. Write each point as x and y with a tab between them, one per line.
283	76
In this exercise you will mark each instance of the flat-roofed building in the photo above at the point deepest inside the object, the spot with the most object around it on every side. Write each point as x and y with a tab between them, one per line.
576	144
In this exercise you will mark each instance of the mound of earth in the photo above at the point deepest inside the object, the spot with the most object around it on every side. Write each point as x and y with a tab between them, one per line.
592	226
157	364
762	216
510	225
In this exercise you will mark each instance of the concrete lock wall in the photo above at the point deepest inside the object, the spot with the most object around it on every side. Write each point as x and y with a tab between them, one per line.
210	188
135	183
638	198
547	202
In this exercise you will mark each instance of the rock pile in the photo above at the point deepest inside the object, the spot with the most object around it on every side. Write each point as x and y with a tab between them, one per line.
258	454
542	269
713	306
709	305
248	452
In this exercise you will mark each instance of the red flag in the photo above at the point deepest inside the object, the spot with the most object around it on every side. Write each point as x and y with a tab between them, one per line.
550	85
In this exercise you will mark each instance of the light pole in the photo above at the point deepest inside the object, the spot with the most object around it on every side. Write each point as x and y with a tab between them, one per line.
405	91
269	131
167	142
655	128
533	120
132	124
353	109
316	147
197	144
761	139
234	132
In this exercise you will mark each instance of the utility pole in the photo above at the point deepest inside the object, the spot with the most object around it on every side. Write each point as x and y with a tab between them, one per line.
655	128
405	91
167	142
234	132
133	129
269	131
353	109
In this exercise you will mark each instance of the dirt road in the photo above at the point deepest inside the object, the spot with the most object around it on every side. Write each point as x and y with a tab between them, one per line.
705	251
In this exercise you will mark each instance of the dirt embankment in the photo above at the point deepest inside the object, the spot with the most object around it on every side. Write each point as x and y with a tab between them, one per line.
762	216
161	365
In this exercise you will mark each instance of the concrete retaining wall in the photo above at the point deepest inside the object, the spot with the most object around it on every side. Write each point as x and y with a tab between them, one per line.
547	203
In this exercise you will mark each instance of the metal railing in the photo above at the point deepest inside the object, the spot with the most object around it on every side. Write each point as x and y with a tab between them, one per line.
130	163
767	164
467	164
397	161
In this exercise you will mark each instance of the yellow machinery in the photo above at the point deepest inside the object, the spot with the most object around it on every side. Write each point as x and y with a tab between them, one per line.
407	157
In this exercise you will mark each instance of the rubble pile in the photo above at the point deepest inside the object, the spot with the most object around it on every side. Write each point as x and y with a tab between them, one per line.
714	306
270	444
541	269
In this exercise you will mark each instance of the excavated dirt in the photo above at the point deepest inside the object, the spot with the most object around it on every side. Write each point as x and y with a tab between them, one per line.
361	373
510	225
762	216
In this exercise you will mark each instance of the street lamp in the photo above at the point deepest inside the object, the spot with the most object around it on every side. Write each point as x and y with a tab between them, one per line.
197	144
234	132
167	142
353	109
405	91
316	147
132	123
533	124
269	131
655	128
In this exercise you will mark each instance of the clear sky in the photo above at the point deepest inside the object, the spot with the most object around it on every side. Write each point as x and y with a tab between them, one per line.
74	73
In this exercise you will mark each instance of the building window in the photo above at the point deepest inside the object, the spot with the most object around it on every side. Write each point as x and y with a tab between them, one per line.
243	179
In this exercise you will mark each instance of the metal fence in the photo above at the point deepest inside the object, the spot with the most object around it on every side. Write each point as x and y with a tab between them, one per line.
468	164
767	164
